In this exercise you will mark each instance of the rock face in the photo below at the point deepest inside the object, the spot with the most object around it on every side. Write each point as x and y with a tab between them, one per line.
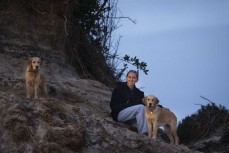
75	117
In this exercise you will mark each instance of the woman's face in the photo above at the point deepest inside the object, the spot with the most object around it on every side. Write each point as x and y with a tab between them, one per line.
131	79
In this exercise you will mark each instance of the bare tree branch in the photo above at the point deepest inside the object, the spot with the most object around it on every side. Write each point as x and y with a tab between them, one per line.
134	21
206	99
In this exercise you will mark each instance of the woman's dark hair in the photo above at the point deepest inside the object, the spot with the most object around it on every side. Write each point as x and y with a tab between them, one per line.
132	71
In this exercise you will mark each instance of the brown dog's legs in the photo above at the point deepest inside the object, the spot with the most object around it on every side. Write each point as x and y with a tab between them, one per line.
174	132
176	138
36	86
27	90
169	133
149	129
155	128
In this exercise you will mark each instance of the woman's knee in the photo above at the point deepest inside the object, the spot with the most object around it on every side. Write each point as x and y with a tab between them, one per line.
141	108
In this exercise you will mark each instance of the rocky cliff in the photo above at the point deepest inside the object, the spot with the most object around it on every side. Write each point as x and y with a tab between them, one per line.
76	115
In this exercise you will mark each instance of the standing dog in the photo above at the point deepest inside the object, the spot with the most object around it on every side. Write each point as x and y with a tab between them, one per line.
34	77
157	116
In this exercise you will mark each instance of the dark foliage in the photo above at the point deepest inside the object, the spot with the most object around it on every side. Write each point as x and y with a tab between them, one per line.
203	123
89	27
80	31
93	50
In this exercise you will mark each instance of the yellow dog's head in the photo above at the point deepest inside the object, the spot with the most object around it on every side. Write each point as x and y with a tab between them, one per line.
151	101
34	63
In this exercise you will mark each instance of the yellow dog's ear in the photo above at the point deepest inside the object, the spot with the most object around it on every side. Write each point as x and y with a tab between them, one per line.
144	100
157	100
29	62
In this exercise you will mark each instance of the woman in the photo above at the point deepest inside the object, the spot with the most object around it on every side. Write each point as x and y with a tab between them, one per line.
126	103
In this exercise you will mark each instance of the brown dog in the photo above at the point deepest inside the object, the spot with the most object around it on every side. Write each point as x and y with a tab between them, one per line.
157	116
34	77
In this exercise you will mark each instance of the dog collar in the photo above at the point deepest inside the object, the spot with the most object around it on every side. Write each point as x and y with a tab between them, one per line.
153	110
34	71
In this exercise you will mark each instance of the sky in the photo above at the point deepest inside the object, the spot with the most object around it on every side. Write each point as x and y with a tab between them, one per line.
185	44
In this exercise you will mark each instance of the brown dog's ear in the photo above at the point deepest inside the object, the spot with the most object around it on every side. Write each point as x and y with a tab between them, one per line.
29	62
157	100
144	100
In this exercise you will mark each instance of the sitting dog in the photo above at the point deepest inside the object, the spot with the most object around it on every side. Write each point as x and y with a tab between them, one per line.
157	116
34	77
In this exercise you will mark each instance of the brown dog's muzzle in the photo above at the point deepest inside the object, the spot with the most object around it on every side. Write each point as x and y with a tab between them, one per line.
150	105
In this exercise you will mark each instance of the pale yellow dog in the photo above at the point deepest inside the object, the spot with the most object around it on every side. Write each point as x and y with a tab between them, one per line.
34	77
157	116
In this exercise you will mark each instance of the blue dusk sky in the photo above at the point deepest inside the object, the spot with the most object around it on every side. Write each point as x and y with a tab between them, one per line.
185	44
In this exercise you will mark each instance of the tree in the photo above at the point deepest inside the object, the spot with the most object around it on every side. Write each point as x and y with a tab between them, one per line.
203	123
95	21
